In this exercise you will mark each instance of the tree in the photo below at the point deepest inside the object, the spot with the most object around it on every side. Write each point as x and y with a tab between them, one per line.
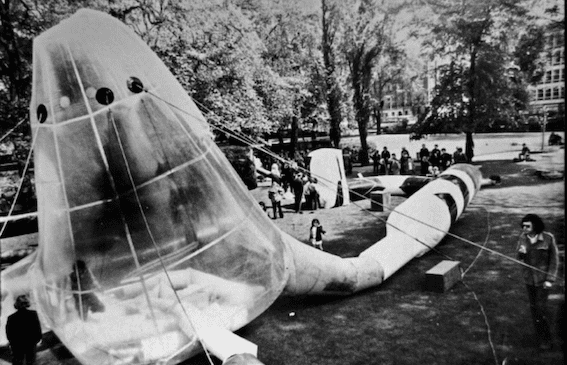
528	53
474	38
289	34
20	22
367	37
329	27
390	70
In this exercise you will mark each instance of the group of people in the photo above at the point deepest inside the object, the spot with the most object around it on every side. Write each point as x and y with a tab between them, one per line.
300	185
433	162
386	163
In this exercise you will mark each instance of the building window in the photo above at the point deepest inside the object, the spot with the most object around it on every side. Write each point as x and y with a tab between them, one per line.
560	39
557	57
406	112
562	92
555	93
547	77
540	94
556	76
547	93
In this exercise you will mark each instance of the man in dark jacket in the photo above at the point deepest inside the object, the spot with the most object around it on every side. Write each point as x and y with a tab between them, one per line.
297	187
23	332
446	159
538	250
385	160
424	158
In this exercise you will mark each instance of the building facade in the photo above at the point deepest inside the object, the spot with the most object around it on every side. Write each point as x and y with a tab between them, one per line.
403	102
548	96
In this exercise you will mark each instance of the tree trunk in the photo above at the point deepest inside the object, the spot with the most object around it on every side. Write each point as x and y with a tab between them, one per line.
362	117
333	104
363	153
293	137
333	94
378	117
469	146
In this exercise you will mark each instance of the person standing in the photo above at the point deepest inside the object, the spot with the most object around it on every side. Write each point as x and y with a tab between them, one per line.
311	194
406	164
287	176
23	331
403	152
385	161
424	159
446	159
297	187
538	250
316	234
459	156
394	165
435	149
376	162
83	286
275	193
435	157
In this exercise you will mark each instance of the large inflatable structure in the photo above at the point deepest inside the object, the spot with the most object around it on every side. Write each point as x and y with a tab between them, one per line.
143	222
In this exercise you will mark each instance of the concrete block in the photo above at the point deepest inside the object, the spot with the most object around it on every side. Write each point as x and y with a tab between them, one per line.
379	201
443	276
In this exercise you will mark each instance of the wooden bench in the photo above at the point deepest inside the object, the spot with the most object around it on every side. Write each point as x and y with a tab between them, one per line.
443	276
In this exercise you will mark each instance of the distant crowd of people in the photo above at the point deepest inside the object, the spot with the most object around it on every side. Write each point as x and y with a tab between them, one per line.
288	180
291	179
431	162
438	160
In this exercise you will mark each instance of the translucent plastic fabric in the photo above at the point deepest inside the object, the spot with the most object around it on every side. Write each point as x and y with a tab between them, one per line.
327	166
145	229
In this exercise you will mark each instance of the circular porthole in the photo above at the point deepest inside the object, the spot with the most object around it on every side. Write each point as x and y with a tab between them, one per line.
41	113
104	96
135	85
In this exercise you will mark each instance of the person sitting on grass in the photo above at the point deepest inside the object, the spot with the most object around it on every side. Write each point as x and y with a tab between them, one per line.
525	154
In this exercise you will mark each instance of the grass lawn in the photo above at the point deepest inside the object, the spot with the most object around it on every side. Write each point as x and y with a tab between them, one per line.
484	319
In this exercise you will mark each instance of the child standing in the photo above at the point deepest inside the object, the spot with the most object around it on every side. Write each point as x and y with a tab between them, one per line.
316	234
